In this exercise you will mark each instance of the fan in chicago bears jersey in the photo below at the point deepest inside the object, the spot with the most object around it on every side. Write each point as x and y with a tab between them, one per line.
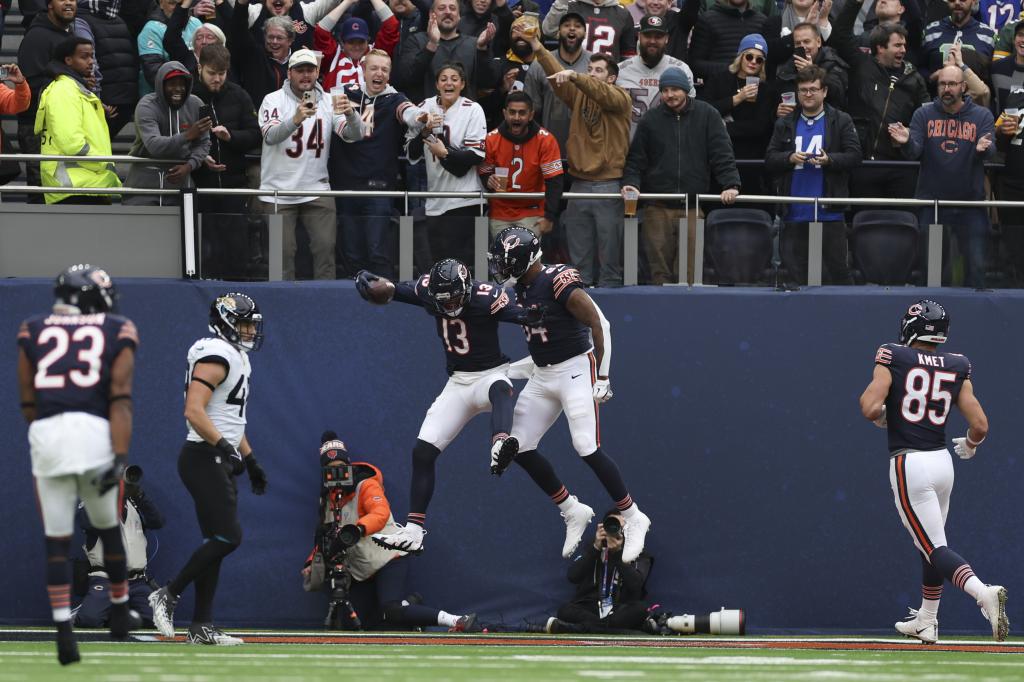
75	369
571	352
913	388
467	313
217	391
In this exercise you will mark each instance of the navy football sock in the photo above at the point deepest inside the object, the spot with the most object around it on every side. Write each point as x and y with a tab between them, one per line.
542	473
608	473
58	577
424	456
502	407
951	566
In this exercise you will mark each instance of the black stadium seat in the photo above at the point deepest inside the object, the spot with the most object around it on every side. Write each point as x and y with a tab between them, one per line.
884	245
739	244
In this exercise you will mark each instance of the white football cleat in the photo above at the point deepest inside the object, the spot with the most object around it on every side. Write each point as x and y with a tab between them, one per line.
919	627
163	605
199	633
577	518
635	529
993	607
408	539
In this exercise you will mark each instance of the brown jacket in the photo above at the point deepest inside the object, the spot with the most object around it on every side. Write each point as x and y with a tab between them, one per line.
599	127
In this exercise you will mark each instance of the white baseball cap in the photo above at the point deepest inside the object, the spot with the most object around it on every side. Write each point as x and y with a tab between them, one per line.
304	56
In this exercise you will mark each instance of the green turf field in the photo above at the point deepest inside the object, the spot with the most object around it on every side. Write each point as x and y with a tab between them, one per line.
561	659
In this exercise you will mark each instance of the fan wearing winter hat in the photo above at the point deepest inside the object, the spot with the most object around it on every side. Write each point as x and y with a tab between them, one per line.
747	104
676	150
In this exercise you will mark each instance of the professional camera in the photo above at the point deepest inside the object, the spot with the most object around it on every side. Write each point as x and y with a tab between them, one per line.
336	541
337	476
612	525
723	622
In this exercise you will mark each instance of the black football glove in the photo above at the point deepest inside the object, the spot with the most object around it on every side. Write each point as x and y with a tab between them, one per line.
363	280
230	457
535	315
257	476
112	476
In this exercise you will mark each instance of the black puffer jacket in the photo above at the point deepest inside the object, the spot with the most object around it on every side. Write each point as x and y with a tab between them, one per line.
717	36
877	97
750	124
675	153
235	111
117	54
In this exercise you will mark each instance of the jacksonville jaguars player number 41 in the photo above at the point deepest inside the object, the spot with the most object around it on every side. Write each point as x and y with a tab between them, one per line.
571	352
217	391
467	315
913	389
75	368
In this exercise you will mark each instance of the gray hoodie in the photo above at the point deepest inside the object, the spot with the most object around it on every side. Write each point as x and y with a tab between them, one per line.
160	134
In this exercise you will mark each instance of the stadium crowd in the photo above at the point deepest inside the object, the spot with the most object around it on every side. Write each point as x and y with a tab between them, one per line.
591	96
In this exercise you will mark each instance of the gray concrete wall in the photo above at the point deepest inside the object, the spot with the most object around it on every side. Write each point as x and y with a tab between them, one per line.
128	241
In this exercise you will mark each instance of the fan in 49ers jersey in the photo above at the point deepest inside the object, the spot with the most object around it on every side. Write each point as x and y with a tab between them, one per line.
911	393
571	352
467	313
75	369
217	391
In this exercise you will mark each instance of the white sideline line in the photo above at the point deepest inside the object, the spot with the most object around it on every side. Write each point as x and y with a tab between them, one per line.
369	636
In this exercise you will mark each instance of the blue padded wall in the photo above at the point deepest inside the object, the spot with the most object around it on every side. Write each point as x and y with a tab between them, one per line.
735	422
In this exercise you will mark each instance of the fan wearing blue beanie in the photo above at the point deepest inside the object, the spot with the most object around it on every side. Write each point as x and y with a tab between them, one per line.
677	148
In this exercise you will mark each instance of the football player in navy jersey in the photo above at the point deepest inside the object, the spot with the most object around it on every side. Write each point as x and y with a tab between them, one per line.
75	368
467	313
217	392
571	352
913	388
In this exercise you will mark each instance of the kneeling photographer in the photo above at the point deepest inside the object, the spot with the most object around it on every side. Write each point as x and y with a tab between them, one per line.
609	592
138	514
611	595
352	508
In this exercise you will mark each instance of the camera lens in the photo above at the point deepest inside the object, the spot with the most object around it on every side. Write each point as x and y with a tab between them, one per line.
612	525
133	474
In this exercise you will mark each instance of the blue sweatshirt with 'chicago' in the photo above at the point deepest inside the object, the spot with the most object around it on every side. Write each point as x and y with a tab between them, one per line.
951	167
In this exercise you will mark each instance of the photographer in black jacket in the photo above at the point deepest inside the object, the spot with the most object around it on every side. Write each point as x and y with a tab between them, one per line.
609	593
235	132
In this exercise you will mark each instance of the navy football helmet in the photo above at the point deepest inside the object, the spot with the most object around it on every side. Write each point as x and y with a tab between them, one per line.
514	250
229	312
450	286
925	321
86	288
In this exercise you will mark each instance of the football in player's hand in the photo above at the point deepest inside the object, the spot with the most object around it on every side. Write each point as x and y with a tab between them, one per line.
373	288
381	291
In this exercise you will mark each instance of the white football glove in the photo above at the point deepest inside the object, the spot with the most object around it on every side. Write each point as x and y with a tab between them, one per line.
602	391
962	449
881	422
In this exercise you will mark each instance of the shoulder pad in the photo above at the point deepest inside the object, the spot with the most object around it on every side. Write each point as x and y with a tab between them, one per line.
212	345
884	355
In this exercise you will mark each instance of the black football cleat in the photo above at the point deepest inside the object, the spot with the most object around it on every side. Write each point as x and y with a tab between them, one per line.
503	453
123	620
67	646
